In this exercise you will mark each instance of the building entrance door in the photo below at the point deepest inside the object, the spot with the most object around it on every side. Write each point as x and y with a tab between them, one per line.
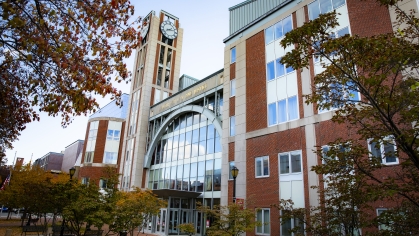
173	221
198	222
160	221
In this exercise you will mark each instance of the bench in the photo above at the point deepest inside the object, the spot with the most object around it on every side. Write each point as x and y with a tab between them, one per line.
93	232
33	229
56	231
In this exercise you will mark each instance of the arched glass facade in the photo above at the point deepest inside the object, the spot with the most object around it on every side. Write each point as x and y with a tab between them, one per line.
188	156
187	159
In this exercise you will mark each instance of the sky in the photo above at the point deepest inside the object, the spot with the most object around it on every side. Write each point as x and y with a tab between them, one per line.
205	25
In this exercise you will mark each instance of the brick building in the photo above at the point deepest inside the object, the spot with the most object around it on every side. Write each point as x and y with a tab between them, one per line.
103	140
50	161
270	133
183	136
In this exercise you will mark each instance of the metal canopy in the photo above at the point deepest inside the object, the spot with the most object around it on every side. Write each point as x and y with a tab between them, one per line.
166	193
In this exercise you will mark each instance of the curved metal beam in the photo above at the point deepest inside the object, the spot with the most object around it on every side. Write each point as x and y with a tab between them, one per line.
175	114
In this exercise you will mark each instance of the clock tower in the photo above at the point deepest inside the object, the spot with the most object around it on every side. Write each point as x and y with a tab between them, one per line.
156	77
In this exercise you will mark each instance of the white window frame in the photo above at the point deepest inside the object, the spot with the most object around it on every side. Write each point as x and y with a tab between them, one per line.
273	30
382	149
261	159
232	87
233	51
112	154
292	225
289	162
85	180
318	3
101	180
263	222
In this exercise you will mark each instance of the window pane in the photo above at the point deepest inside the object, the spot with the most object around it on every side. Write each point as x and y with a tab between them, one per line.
287	23
325	6
233	55
270	70
280	69
338	3
266	221
195	135
282	111
286	227
269	34
202	133
375	150
266	166
272	113
217	145
211	132
110	134
313	10
188	138
389	151
259	218
284	164
289	69
232	87
232	125
202	147
210	146
278	30
258	167
293	108
295	163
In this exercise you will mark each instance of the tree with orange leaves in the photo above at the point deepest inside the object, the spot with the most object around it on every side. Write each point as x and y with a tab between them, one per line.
56	55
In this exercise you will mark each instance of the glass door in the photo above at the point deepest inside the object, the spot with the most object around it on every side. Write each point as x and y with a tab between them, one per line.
160	221
173	221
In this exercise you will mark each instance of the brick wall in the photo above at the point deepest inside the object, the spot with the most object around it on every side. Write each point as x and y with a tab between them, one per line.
368	18
100	141
256	110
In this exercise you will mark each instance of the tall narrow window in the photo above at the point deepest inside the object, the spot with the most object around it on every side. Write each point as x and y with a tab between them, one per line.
233	55
263	216
262	166
232	87
232	125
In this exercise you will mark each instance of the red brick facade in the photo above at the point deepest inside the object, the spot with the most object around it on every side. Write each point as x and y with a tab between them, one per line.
256	106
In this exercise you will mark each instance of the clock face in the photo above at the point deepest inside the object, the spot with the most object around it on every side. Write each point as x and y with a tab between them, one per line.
168	29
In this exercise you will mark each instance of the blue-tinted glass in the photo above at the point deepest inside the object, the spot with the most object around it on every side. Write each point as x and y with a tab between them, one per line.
188	151
287	24
343	32
201	168
270	70
338	3
233	55
188	138
353	92
282	111
210	131
195	149
289	69
181	140
182	121
189	119
280	69
202	147
217	145
313	10
193	170
232	125
202	133
174	154
175	141
278	30
269	34
272	113
325	6
293	108
210	146
195	135
390	153
181	153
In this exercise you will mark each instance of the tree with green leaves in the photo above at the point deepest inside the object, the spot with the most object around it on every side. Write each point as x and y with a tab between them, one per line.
57	55
383	69
231	220
134	209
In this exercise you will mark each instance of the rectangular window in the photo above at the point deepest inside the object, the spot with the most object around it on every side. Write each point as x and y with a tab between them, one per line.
288	109
270	71
385	150
382	225
156	96
110	158
233	55
323	6
88	158
232	125
233	88
269	34
85	180
113	135
103	183
272	114
262	166
290	163
293	224
263	216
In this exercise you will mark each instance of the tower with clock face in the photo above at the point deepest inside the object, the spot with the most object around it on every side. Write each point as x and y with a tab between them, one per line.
155	78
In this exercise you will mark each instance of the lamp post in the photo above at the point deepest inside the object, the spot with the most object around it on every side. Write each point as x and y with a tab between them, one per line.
71	171
234	173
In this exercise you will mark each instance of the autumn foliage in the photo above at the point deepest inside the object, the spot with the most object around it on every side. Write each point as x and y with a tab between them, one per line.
56	55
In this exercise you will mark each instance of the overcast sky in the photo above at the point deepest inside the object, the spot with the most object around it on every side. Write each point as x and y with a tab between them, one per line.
205	25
